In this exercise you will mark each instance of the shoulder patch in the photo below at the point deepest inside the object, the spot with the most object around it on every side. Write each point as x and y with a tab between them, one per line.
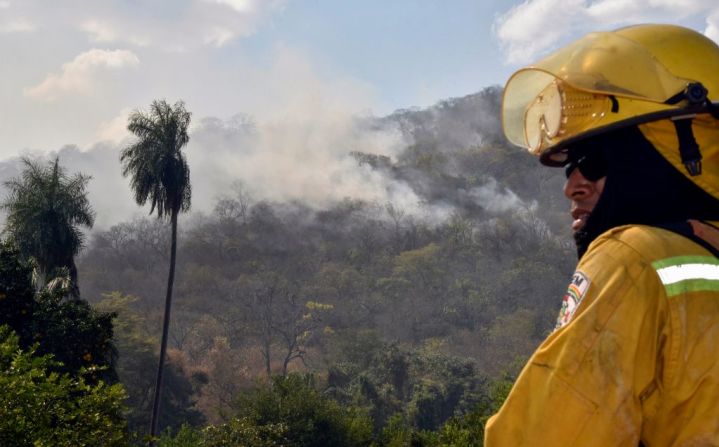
575	294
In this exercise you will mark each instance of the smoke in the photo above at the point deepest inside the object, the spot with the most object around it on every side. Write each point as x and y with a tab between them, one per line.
497	199
108	193
279	161
294	160
306	151
454	124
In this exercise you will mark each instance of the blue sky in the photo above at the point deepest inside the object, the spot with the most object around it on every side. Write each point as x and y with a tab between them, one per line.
416	52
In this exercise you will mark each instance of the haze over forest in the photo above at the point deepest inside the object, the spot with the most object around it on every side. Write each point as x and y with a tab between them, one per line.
401	266
313	160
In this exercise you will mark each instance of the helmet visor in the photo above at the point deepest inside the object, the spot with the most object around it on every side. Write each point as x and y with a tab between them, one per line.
560	110
583	75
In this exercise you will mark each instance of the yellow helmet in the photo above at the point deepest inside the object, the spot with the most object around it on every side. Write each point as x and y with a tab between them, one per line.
662	78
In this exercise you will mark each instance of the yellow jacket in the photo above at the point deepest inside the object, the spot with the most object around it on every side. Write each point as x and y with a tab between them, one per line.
635	356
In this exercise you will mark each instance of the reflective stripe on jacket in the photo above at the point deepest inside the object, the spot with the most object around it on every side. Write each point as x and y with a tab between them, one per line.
636	358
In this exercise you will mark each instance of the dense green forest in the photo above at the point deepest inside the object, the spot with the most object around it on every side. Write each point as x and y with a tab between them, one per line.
357	323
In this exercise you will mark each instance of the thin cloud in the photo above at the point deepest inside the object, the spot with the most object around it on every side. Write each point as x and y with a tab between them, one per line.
78	75
14	20
114	130
241	6
533	27
621	12
105	32
99	31
195	23
18	25
712	29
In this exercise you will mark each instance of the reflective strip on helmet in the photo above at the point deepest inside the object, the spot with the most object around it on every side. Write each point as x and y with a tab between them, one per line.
683	274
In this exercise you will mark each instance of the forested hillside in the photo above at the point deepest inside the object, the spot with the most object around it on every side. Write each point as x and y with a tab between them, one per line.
403	317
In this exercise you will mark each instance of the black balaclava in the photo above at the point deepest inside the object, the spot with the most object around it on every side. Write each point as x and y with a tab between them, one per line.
641	187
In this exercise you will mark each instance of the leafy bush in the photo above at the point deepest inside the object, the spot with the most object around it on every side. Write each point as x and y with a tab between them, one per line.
77	335
289	412
425	386
399	433
40	407
311	419
244	433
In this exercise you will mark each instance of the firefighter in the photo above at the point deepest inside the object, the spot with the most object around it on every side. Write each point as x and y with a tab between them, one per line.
634	357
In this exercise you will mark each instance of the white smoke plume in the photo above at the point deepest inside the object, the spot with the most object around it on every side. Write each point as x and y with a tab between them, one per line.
281	161
496	199
299	153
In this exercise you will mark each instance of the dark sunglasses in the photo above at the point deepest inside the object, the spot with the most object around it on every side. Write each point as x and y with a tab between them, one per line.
591	164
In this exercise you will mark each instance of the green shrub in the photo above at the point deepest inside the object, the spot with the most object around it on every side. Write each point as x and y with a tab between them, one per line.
311	419
40	407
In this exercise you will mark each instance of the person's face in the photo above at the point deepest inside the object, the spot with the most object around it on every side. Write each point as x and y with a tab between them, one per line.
583	195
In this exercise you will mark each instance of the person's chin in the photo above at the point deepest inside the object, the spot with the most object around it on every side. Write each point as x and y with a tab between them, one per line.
582	239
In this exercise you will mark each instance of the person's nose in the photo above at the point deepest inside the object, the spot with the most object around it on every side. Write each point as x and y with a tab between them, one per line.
577	186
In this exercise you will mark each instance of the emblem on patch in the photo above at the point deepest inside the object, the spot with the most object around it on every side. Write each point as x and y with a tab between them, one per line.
574	296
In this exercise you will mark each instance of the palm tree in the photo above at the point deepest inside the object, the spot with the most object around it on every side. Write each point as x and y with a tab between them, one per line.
46	210
161	175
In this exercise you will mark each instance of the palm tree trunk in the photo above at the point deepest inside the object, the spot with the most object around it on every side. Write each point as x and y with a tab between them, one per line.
267	350
165	329
74	283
